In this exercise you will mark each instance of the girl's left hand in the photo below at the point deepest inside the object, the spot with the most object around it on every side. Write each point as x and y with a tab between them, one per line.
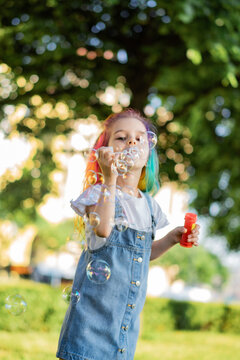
176	234
193	237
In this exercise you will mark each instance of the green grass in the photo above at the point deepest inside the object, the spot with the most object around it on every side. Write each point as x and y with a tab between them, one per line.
27	346
175	345
188	345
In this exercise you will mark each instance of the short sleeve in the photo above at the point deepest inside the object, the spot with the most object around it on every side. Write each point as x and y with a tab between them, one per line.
159	215
89	197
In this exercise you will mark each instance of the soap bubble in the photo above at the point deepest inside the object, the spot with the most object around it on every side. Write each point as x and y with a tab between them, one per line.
75	296
152	138
93	156
94	219
121	224
66	294
121	167
69	295
127	157
106	191
106	194
98	271
91	177
15	304
134	152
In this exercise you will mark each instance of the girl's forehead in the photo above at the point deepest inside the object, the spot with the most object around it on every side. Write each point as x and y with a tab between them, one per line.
128	124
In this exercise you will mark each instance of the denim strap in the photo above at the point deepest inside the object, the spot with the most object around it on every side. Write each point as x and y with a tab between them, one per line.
152	215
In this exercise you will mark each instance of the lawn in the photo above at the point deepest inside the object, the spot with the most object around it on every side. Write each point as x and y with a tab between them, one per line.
175	345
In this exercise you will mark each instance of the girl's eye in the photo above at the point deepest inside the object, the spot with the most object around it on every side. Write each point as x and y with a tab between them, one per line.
121	138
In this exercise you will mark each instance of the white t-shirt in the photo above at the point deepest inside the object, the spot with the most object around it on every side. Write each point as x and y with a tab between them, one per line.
136	210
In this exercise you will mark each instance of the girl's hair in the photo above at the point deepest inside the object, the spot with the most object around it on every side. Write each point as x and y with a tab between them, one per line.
148	181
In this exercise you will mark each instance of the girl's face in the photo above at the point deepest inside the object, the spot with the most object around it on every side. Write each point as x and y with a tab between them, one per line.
130	132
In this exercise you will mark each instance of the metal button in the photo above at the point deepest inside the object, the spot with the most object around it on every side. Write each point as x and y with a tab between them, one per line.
138	283
139	259
125	327
132	306
122	350
143	237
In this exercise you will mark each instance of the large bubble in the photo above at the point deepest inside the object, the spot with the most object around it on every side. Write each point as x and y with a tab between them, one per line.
121	224
69	295
94	219
98	271
15	304
91	177
152	138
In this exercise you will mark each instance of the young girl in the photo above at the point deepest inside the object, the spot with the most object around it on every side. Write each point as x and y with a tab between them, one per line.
122	220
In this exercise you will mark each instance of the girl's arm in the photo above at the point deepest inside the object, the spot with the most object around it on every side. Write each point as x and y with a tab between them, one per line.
159	247
105	207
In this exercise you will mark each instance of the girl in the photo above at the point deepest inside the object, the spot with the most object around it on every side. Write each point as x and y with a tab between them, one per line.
122	220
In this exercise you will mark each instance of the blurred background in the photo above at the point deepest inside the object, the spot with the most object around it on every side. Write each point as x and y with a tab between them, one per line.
67	65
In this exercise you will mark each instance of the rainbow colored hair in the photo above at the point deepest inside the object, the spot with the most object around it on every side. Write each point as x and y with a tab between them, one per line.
149	177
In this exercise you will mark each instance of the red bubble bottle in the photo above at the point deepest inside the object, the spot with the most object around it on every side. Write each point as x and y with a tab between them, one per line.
190	223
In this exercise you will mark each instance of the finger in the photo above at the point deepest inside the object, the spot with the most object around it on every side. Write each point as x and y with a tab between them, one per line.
182	229
116	155
105	153
193	240
109	148
192	237
197	228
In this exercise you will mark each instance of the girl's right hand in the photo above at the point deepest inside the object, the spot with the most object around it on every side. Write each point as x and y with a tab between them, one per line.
106	157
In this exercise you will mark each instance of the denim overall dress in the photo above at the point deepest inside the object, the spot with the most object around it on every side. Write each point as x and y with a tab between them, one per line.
104	324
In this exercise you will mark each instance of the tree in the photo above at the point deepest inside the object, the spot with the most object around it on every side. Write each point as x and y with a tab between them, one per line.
177	61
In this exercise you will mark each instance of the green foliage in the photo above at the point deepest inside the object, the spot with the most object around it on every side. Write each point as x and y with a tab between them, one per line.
53	236
163	315
45	307
186	57
195	265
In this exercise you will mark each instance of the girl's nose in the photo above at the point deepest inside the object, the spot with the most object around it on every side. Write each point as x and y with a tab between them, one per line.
132	142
